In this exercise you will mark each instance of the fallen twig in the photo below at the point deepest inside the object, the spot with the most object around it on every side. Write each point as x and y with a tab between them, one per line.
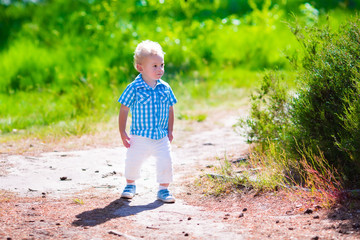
120	234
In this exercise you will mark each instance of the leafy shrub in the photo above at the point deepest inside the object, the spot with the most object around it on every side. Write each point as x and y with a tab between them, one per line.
324	111
268	119
323	114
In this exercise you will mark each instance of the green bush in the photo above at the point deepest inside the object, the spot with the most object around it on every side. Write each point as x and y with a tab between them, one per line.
323	113
324	110
268	120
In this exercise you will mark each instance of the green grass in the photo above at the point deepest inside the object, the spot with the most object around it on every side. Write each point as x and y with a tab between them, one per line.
313	182
73	113
79	57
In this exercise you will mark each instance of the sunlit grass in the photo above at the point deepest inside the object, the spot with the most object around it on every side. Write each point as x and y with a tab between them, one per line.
313	182
73	73
50	113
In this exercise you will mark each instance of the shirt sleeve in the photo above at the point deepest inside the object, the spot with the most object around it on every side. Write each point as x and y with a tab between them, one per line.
173	99
128	96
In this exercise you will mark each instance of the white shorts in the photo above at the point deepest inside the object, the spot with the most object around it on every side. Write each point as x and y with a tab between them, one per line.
142	148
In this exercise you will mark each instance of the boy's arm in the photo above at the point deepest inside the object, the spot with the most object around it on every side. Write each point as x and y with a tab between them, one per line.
123	114
171	123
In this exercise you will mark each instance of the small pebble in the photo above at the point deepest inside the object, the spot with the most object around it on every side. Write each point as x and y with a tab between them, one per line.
308	211
208	144
356	225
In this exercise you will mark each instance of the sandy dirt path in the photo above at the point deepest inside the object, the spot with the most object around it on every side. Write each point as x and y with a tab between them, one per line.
72	174
75	194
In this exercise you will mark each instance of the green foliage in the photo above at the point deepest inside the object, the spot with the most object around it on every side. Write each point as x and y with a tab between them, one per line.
70	60
324	109
322	116
268	120
349	140
269	168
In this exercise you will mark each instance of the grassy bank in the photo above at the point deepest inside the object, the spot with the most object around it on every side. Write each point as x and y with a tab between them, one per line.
64	64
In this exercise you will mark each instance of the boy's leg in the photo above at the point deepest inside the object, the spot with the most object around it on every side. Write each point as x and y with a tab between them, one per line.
162	153
135	157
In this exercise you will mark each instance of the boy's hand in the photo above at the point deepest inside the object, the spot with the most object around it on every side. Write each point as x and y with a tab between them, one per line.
170	136
171	123
126	140
123	113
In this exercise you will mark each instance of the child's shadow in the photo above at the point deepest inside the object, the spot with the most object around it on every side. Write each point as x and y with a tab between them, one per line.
116	209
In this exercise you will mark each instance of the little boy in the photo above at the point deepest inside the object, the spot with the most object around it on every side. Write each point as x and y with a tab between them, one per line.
150	101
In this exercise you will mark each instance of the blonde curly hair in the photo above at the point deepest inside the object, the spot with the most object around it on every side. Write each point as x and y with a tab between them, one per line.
147	48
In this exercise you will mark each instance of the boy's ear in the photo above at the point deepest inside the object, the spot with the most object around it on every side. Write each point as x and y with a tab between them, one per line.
139	68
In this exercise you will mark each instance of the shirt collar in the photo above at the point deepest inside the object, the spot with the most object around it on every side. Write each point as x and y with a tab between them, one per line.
140	83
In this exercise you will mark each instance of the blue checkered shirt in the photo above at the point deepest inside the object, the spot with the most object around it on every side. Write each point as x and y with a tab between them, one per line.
149	107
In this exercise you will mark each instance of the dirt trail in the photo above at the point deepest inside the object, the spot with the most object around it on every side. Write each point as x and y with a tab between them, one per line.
75	195
73	174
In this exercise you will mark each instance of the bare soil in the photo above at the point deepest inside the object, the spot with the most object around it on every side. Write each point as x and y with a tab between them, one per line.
70	188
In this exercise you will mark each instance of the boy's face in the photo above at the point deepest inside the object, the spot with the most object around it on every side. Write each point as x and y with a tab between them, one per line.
151	67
